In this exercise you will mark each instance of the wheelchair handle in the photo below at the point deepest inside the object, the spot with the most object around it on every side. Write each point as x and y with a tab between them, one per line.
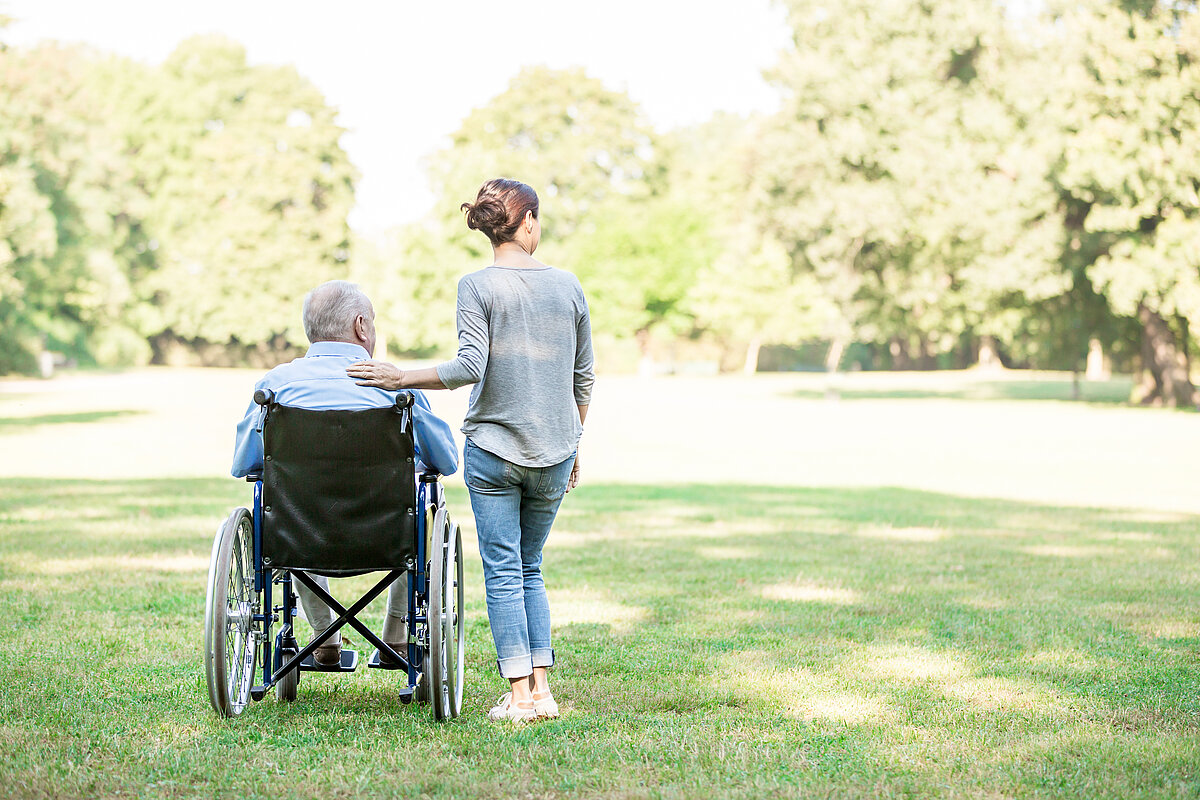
264	396
404	400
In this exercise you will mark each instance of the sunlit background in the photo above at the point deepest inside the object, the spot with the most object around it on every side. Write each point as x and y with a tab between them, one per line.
888	482
745	187
402	76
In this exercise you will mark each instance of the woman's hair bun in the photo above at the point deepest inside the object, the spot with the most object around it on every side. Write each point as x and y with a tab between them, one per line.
500	208
485	214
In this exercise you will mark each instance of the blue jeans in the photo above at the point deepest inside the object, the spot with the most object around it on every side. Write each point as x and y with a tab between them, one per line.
514	508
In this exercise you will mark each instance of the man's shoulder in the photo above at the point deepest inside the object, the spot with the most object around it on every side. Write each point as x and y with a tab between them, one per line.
322	383
282	372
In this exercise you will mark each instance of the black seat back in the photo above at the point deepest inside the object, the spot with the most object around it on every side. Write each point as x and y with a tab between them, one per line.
339	494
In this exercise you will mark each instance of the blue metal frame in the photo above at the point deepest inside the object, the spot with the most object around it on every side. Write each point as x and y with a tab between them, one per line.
428	496
262	585
416	587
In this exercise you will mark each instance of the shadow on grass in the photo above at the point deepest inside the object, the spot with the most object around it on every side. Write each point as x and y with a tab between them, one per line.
824	640
18	424
1111	392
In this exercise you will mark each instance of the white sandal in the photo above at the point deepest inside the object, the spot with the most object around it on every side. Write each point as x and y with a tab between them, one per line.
506	709
544	706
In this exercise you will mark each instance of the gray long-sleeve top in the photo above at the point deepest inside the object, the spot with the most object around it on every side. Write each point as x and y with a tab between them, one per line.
525	341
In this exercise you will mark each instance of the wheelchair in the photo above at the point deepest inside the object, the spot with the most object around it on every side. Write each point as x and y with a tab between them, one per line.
338	496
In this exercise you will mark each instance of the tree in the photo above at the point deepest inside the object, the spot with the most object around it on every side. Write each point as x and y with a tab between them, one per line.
745	291
1129	176
640	260
575	141
592	158
68	236
247	195
899	175
413	273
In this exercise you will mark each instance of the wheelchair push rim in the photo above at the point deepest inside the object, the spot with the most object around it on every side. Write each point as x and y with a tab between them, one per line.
231	637
446	631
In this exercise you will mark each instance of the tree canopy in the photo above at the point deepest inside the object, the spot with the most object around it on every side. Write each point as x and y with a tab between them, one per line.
938	180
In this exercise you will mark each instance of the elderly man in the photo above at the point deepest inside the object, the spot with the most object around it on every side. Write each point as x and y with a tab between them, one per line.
340	322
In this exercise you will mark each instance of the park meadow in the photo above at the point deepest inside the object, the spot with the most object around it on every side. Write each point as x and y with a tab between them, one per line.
941	585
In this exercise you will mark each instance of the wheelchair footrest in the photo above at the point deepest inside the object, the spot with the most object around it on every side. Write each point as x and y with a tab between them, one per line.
377	662
349	663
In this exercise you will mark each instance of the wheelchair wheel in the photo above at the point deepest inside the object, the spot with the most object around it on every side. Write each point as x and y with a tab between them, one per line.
285	688
231	636
446	631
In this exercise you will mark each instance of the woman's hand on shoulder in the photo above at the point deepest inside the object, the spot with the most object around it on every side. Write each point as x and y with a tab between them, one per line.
377	373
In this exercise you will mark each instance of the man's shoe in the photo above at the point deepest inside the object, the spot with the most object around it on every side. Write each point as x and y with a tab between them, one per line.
399	647
328	656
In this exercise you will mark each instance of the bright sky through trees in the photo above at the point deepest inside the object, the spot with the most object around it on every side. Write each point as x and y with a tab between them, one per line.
404	75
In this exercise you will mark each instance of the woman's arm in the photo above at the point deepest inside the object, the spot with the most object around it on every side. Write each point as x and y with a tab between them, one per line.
584	374
467	367
392	378
573	481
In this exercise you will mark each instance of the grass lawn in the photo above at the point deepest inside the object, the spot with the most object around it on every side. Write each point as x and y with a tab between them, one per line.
715	639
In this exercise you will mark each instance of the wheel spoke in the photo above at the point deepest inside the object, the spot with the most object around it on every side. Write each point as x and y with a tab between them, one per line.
232	633
239	654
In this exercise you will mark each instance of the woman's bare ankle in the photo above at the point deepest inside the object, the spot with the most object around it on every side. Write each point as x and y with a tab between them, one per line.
522	692
539	682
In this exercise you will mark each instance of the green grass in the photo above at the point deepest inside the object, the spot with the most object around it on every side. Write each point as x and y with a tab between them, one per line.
21	424
713	641
973	386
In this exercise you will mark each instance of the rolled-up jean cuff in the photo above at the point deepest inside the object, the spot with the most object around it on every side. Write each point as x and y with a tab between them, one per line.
516	667
543	658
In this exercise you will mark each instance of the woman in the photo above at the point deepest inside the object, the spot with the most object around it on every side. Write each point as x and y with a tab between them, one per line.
524	340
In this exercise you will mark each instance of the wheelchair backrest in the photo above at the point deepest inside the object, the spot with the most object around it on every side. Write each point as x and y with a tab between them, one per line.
339	489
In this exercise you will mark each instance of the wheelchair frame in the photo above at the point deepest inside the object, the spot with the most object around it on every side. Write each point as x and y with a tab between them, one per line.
240	612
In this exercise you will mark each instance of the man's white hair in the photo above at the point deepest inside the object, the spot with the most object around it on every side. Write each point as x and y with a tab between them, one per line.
330	311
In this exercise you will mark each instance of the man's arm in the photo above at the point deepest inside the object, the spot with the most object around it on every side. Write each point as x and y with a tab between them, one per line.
248	446
433	438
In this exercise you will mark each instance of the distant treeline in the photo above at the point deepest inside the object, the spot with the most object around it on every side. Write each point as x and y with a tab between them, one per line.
940	181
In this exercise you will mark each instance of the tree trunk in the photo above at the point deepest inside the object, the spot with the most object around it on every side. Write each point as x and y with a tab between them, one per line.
989	358
646	365
1097	369
751	365
1166	363
833	360
898	348
927	360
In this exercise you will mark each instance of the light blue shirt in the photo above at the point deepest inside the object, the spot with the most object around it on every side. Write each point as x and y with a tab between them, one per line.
319	382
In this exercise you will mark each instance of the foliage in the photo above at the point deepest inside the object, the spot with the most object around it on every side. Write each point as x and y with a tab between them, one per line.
248	191
412	276
563	132
594	162
1131	80
747	290
639	262
899	176
67	239
936	176
195	201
